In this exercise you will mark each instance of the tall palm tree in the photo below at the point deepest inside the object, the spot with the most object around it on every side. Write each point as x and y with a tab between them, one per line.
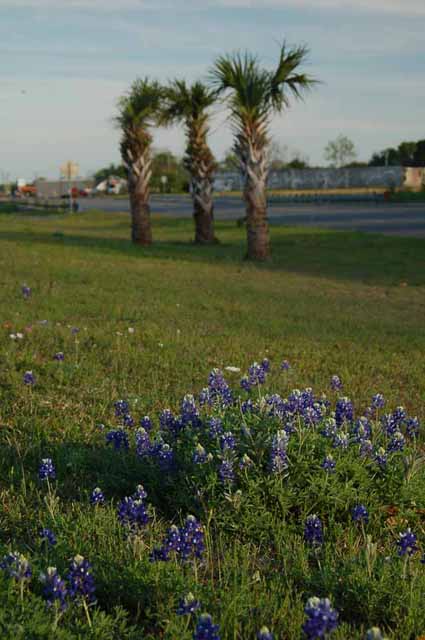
138	111
254	94
190	105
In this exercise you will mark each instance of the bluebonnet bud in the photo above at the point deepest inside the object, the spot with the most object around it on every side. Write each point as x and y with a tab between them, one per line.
205	629
46	469
412	427
397	442
48	536
59	356
215	427
29	378
285	366
81	581
118	438
97	496
336	383
245	462
200	456
380	457
16	566
227	441
75	330
321	618
146	423
265	634
26	291
407	543
378	401
188	605
360	514
329	464
313	530
245	383
366	448
55	590
121	408
128	420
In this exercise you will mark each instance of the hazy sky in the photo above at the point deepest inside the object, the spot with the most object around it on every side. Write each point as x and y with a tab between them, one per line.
65	62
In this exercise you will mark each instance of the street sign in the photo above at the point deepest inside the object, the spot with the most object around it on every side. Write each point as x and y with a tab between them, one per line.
69	170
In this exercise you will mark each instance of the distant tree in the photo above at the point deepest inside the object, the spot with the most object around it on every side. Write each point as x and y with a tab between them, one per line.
138	111
277	156
419	155
191	106
166	164
254	94
230	162
405	152
340	151
298	160
113	170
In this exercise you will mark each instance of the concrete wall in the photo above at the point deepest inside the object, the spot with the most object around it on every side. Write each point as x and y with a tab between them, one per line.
378	177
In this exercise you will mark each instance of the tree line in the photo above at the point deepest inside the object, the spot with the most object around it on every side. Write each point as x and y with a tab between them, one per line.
252	95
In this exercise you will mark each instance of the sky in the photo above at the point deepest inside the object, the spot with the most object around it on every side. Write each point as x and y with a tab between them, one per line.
64	63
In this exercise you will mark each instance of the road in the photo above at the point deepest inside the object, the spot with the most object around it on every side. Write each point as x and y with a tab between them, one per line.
397	219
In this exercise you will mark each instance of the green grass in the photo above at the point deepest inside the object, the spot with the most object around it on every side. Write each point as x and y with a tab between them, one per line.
329	302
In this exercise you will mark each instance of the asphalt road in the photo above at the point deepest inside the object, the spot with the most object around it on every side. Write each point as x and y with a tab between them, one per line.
397	219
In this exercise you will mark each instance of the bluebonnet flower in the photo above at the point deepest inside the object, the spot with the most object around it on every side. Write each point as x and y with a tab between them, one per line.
29	378
26	291
407	543
265	634
378	401
215	427
16	566
366	448
362	429
285	366
143	443
218	391
146	423
132	511
341	440
128	420
55	590
360	514
412	427
226	471
313	530
380	457
328	464
321	618
188	605
81	580
75	330
164	454
205	629
59	356
374	634
97	496
344	411
397	442
278	455
200	456
121	408
248	406
389	424
257	374
118	438
265	364
336	383
170	423
245	383
46	469
330	428
192	539
189	411
227	441
48	536
172	542
399	415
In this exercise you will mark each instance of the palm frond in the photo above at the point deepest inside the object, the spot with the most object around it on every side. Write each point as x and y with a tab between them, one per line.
140	106
183	102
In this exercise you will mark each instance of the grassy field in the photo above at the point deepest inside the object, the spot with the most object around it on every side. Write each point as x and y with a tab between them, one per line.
152	323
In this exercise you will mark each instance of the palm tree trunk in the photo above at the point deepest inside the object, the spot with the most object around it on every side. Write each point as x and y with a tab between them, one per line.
203	211
138	187
258	238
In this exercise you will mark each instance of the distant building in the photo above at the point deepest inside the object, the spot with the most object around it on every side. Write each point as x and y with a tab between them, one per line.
113	185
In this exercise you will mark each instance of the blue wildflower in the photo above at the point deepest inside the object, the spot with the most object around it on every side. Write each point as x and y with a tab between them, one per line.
132	511
128	420
172	542
121	408
81	580
336	383
322	619
285	366
205	629
257	374
397	442
278	455
55	590
265	634
200	456
245	383
360	514
218	391
46	470
226	471
146	423
407	543
192	539
412	427
143	443
329	464
245	462
313	530
118	438
48	536
29	378
188	605
215	427
344	411
26	291
59	356
378	401
380	457
16	566
169	422
189	411
366	448
97	497
227	441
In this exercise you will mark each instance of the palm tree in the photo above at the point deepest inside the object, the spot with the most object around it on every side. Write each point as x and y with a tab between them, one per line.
190	105
254	94
138	111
